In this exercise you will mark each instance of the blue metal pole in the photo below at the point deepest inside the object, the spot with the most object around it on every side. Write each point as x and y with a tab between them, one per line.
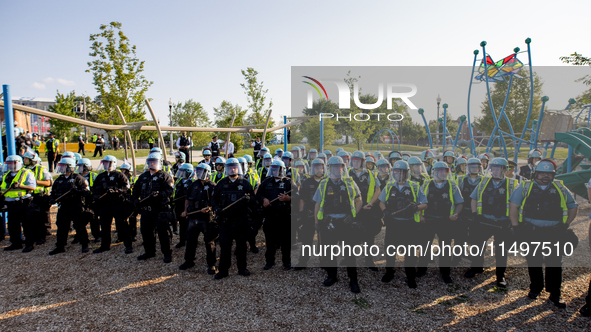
321	134
9	120
285	133
490	103
473	147
540	118
458	133
444	126
569	162
421	112
531	93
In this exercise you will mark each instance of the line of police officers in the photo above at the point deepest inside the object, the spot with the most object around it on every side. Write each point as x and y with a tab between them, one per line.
343	197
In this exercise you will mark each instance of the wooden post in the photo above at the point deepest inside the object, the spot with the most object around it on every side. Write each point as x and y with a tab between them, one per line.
127	136
228	139
266	124
158	130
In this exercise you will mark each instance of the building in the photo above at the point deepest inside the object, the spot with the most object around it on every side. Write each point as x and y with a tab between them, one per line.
32	122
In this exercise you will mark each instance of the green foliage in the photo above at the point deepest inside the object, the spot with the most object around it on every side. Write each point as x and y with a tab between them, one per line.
517	105
584	98
117	76
64	106
223	115
192	114
257	100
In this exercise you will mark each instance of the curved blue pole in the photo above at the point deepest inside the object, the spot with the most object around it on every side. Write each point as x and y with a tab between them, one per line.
473	147
531	93
540	118
490	103
458	134
421	112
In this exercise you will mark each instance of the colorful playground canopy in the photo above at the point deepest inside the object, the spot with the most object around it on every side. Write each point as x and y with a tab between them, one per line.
497	71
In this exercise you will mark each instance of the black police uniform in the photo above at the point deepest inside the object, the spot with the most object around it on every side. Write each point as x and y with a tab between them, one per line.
466	220
525	171
257	149
175	168
130	210
401	229
70	208
115	185
371	218
215	149
185	141
233	224
181	189
306	225
199	196
277	226
155	210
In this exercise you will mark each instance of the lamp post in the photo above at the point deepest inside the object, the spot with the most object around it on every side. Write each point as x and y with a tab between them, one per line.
438	102
170	124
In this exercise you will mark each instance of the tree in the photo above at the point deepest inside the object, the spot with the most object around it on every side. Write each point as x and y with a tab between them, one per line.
191	114
452	127
517	105
584	98
311	127
117	75
257	99
65	105
223	115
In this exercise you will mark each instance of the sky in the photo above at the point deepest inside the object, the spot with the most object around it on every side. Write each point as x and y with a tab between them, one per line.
196	50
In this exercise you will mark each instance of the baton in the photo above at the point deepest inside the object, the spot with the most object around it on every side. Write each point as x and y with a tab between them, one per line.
271	202
62	196
404	209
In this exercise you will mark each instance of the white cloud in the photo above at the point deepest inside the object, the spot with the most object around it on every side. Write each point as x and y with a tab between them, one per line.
65	82
38	85
48	80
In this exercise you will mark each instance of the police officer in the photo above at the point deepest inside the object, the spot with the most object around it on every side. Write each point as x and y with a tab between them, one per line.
467	183
295	153
207	158
338	200
69	190
275	197
256	147
418	172
288	162
441	215
52	148
181	189
328	154
250	171
450	158
394	157
427	158
267	161
278	154
17	185
532	158
484	160
400	201
129	207
313	154
40	203
199	212
36	143
369	186
108	192
180	158
262	153
184	144
150	141
346	159
542	210
214	146
305	221
303	154
302	171
152	194
323	157
220	164
370	164
90	211
166	165
235	190
460	168
490	203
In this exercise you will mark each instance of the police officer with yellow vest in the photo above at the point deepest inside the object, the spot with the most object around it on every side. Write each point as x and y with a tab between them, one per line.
304	225
219	173
69	190
40	207
150	141
198	203
400	201
490	207
542	210
450	158
427	159
369	187
338	200
17	185
287	159
259	161
277	213
441	216
267	161
52	149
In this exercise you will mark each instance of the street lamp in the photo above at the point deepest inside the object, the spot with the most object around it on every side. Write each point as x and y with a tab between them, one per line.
438	102
170	124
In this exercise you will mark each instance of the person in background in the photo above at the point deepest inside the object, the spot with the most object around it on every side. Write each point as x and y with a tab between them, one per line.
81	144
184	144
230	146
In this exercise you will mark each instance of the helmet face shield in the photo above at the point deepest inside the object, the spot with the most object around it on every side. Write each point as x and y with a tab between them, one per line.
418	170
233	169
286	161
106	165
346	160
441	174
153	164
12	166
200	173
497	172
301	169
62	168
183	173
400	175
318	170
275	171
356	163
474	169
336	171
81	168
384	169
267	162
313	155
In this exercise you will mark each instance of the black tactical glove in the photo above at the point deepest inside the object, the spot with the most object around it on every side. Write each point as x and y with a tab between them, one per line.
414	208
386	213
358	226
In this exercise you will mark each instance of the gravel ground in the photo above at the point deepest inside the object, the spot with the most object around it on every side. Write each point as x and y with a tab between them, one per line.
114	292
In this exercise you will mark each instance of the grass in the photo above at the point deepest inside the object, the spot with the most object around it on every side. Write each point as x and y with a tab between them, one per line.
361	302
119	154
